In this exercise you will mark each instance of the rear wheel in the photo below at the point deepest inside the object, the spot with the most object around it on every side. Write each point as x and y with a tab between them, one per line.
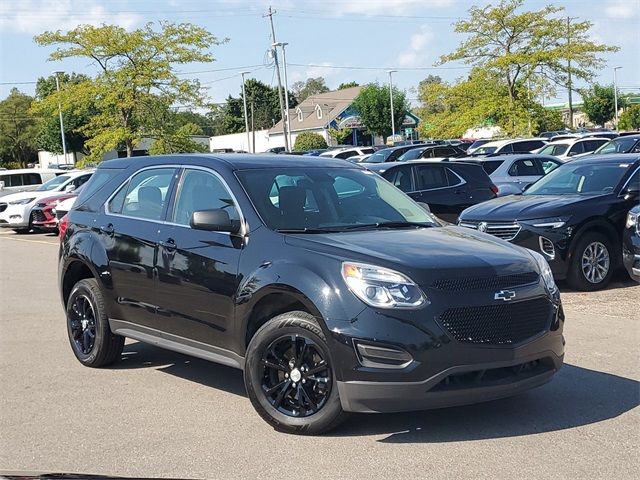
289	376
592	263
88	326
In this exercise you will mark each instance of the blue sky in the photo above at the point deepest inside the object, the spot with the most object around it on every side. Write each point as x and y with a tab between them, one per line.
366	36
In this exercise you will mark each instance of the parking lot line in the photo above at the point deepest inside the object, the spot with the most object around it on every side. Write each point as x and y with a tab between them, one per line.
29	241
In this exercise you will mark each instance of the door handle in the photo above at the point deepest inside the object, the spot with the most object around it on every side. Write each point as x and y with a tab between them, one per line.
169	244
107	229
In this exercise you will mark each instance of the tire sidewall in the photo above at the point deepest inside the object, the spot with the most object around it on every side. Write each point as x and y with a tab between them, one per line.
577	278
280	326
83	287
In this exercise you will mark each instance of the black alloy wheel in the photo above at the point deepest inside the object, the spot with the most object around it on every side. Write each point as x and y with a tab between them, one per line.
296	377
82	323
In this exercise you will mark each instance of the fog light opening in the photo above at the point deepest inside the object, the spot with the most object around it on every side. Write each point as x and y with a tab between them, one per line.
376	356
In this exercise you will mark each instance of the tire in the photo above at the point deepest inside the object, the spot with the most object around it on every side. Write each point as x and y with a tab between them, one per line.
22	231
296	412
87	303
578	276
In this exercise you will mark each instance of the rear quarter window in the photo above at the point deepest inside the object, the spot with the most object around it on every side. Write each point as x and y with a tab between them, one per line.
99	179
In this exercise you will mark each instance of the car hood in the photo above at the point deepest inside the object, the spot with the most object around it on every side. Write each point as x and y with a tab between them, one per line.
28	194
425	253
525	207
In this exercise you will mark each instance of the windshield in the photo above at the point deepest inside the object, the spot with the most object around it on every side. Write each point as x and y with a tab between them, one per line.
554	149
380	156
53	183
412	154
485	150
316	200
583	179
619	145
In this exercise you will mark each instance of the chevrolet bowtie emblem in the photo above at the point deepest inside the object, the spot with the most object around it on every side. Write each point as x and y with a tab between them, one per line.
505	295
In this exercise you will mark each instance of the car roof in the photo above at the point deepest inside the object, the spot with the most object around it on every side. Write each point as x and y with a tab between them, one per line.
500	143
18	171
608	158
634	136
504	158
573	140
234	161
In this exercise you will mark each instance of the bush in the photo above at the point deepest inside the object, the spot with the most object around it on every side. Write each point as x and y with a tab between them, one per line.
630	118
309	141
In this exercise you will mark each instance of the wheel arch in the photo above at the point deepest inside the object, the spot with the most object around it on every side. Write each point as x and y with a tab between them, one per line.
604	227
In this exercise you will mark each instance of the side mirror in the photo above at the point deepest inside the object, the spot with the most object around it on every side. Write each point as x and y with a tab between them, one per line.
526	187
424	206
215	220
70	188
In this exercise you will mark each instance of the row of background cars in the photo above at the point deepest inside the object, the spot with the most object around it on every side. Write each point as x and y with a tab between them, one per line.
575	217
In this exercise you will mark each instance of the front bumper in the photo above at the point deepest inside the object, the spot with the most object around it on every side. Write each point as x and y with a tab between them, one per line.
631	254
44	218
15	216
443	370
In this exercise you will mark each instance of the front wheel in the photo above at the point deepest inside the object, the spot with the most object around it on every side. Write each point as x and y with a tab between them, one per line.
289	377
592	263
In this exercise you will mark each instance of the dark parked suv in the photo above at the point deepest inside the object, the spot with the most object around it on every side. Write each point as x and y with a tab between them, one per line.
329	287
447	187
574	216
631	243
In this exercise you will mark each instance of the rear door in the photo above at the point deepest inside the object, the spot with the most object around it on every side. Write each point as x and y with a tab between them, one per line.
128	229
442	189
197	269
524	171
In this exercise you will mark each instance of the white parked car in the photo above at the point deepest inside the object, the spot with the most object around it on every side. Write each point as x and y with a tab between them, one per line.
567	148
503	147
345	153
24	179
15	209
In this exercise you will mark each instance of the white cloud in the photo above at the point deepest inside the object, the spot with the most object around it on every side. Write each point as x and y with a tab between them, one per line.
624	9
321	70
36	16
417	52
390	7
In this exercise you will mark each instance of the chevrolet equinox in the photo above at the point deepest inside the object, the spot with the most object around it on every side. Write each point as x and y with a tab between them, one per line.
331	289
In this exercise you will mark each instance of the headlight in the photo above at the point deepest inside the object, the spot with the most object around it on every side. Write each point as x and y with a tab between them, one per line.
632	219
380	287
24	201
545	271
553	222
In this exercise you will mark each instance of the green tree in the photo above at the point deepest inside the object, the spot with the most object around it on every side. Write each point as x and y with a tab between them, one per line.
311	86
49	137
546	120
339	135
630	118
179	141
374	108
18	129
309	141
136	74
342	86
527	46
598	103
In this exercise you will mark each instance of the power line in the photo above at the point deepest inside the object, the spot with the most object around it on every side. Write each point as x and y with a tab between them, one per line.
342	67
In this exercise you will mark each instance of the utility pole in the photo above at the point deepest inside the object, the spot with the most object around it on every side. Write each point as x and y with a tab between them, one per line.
569	84
246	117
64	143
270	14
286	89
393	123
253	130
615	93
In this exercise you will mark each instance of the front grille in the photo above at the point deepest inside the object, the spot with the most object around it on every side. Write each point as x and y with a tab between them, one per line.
38	216
3	207
499	324
495	282
505	231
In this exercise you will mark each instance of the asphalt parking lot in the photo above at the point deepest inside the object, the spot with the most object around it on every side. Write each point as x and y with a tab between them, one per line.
162	414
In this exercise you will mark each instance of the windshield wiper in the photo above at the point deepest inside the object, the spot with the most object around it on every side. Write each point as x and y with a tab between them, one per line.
307	230
386	225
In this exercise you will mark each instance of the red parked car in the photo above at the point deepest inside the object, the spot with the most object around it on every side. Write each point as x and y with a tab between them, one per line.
44	218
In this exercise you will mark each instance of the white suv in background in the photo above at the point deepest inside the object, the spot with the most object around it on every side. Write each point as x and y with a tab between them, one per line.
15	209
345	153
24	179
502	147
568	148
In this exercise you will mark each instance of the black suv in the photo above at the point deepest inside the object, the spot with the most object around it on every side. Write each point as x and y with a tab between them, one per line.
447	187
631	243
574	216
329	287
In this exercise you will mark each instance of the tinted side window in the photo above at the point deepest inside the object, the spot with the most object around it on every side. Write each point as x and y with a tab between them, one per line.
525	167
78	181
349	154
401	178
14	181
577	148
431	176
32	179
491	166
200	190
145	195
546	165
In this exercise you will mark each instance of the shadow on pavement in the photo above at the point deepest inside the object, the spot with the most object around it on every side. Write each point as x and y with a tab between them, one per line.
575	397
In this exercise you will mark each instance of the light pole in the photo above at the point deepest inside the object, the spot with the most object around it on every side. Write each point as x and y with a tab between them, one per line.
286	91
393	123
64	143
615	93
246	117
